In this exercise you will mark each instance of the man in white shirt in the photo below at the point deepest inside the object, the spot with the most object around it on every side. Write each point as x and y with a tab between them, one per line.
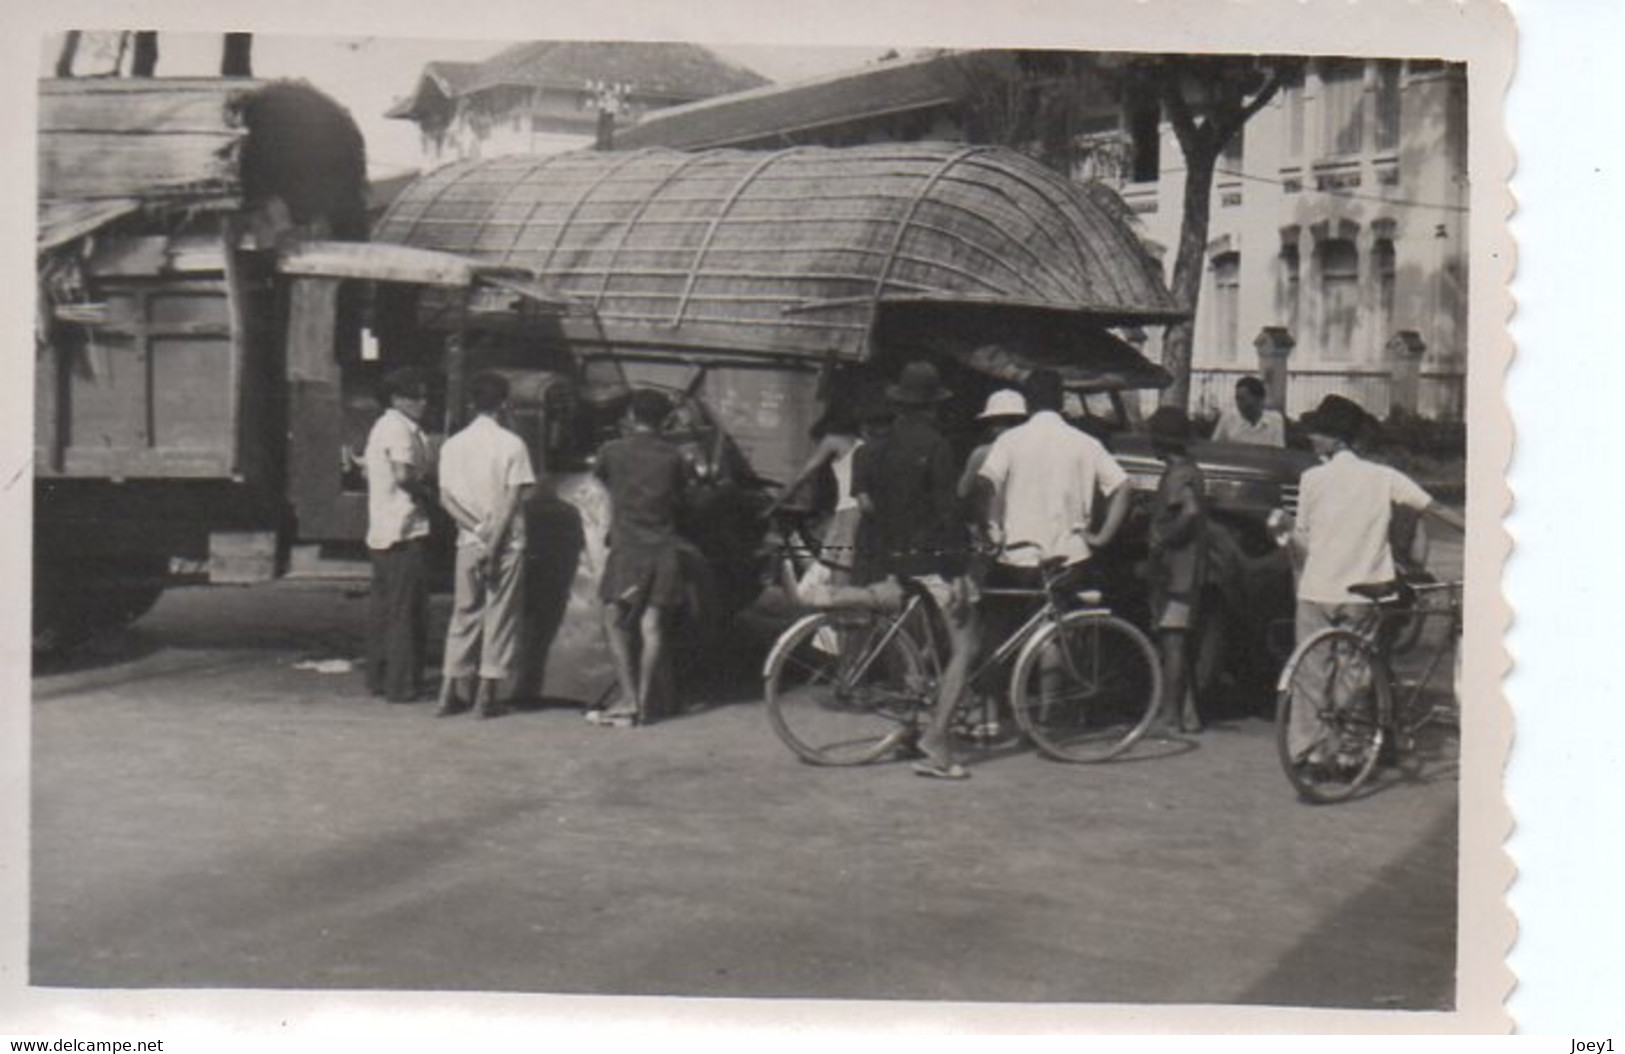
1344	508
1045	474
485	474
1249	421
398	493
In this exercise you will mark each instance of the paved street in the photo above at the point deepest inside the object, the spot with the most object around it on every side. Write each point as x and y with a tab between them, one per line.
206	814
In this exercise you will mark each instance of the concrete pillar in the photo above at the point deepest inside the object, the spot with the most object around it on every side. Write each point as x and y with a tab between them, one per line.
1274	345
1405	351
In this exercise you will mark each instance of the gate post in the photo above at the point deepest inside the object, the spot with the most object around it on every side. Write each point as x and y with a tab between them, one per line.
1405	351
1274	345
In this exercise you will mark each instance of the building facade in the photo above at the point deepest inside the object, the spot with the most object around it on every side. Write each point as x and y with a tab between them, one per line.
1337	242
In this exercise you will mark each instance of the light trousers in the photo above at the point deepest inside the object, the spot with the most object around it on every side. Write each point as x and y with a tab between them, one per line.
1325	676
487	608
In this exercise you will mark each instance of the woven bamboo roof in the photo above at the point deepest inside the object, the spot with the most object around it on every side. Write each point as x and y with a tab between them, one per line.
787	253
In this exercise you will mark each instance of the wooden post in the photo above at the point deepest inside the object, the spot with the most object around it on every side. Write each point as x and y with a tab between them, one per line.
457	370
1274	346
315	435
1405	351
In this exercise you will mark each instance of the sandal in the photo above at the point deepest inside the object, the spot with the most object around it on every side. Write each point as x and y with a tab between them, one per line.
941	770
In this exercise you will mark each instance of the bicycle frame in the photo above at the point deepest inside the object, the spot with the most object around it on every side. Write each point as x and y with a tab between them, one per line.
1388	619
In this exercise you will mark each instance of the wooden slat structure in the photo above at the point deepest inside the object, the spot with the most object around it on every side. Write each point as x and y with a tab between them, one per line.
793	253
140	138
158	341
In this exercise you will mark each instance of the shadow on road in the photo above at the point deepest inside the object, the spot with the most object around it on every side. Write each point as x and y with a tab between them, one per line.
1392	947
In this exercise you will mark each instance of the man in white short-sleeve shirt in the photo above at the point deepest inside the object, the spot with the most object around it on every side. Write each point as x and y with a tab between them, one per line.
1341	531
1045	474
485	474
1249	420
398	492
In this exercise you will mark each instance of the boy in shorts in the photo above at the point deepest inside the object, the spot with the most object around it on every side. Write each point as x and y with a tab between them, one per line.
642	579
1176	564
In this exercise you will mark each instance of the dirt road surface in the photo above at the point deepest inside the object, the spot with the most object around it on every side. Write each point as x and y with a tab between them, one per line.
207	814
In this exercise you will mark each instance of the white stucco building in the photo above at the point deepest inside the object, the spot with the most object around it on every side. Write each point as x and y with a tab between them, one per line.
1338	236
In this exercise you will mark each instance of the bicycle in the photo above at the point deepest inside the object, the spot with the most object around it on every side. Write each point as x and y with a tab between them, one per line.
850	685
1347	678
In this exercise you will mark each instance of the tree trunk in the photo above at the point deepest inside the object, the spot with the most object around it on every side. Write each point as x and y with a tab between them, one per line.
145	61
1187	281
235	55
70	48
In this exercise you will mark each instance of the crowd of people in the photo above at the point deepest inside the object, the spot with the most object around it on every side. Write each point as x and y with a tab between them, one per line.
1036	488
1030	492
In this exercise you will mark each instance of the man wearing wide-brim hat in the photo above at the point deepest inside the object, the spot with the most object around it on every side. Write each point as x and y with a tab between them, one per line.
905	485
1341	531
1005	409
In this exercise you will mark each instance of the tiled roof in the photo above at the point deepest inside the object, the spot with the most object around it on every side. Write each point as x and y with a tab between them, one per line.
684	71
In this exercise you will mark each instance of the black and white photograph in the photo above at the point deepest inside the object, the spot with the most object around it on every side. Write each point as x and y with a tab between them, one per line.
950	530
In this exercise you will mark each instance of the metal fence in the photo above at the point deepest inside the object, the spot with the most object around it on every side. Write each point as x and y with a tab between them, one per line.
1441	396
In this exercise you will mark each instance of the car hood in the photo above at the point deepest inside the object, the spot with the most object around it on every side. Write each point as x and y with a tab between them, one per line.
1281	465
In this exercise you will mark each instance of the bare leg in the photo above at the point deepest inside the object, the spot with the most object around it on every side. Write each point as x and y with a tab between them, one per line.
1173	680
620	656
934	740
651	647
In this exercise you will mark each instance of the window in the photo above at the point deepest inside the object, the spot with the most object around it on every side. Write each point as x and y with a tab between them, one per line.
1339	299
1382	263
1145	131
1227	306
1386	104
1342	110
1288	288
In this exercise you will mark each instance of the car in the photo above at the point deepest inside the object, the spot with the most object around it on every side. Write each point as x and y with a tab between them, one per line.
1248	598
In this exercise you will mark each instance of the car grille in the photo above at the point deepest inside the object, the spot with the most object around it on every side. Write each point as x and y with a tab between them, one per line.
1289	497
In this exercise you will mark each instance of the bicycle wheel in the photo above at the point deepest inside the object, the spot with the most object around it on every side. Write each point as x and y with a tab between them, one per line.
843	688
1086	687
1331	711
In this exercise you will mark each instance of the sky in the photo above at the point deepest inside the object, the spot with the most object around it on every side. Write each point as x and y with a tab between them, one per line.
368	74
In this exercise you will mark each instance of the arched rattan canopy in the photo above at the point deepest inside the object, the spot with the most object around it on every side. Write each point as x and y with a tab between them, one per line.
790	252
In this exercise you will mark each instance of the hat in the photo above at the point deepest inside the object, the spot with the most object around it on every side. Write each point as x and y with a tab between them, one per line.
1004	403
1169	426
917	385
1337	417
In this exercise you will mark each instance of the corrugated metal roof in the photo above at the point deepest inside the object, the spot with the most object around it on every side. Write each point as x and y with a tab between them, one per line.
61	222
790	252
781	111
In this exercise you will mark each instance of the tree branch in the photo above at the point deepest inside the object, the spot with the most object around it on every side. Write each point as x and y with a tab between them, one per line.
1179	111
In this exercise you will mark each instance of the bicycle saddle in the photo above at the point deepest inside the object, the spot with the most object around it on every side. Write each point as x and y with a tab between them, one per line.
1390	593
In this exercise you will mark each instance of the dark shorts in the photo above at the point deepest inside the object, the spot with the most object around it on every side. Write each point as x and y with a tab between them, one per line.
643	575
